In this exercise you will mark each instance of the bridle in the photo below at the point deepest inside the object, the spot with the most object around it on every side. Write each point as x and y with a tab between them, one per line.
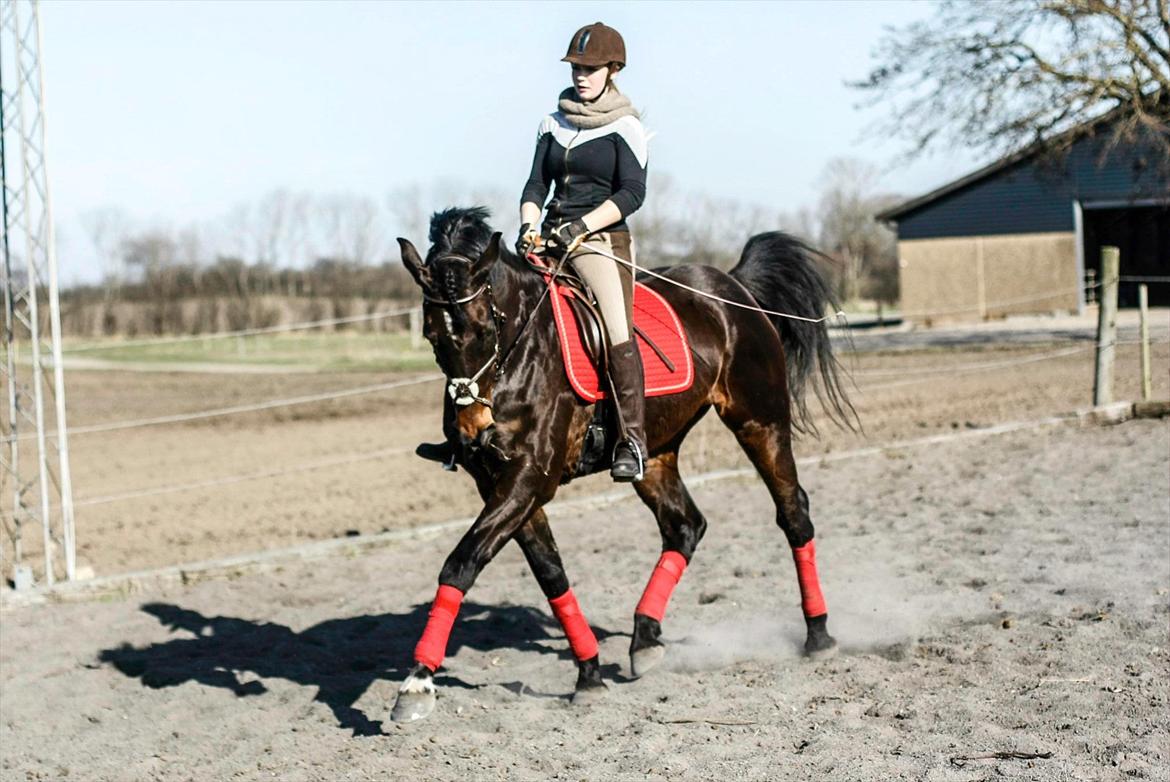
465	390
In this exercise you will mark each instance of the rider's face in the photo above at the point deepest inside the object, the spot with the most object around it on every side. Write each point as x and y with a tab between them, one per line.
589	81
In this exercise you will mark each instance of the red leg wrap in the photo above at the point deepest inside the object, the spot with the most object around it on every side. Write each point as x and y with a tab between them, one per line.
432	647
580	635
811	599
663	580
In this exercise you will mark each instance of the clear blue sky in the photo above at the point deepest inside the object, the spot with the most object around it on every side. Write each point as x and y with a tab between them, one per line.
176	111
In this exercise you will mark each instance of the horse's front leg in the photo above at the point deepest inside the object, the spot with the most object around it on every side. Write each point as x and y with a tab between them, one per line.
540	549
517	494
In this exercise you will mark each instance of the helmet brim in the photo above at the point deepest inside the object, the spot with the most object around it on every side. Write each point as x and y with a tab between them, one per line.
592	62
580	59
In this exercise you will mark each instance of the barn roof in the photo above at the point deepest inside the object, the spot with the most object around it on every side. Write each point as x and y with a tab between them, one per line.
988	171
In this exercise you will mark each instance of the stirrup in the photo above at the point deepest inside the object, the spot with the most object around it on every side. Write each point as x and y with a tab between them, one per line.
632	445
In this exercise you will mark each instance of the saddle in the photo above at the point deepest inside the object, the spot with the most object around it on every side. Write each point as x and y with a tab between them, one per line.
662	342
666	354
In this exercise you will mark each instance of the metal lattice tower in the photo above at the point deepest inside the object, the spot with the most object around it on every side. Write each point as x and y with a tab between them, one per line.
35	484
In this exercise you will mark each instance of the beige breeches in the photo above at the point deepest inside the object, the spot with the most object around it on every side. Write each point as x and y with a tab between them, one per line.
612	283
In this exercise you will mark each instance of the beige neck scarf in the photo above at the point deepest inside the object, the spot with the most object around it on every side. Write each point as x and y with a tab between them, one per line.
610	106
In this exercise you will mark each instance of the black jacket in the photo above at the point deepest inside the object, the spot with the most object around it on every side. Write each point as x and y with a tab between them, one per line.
588	167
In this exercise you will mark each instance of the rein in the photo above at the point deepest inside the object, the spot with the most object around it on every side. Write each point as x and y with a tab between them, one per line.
635	269
464	391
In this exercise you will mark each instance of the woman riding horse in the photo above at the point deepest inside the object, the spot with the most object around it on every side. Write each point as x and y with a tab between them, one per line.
512	420
594	149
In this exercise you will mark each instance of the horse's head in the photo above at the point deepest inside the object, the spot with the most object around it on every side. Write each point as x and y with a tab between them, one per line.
460	319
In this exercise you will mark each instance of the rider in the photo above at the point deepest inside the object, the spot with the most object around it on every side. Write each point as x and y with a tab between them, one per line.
593	148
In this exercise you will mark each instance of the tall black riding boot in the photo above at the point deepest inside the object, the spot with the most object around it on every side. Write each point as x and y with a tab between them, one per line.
443	453
629	394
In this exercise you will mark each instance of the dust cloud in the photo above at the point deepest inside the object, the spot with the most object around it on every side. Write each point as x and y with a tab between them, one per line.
872	610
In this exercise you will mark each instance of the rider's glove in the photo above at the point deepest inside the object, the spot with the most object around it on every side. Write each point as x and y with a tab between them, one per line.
527	241
569	235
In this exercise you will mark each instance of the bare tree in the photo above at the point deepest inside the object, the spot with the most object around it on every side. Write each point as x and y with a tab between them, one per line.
152	258
149	253
350	227
191	252
409	211
107	228
849	232
237	232
656	223
279	227
675	226
411	206
999	76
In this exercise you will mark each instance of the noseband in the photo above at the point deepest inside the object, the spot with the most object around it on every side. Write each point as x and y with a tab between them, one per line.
465	390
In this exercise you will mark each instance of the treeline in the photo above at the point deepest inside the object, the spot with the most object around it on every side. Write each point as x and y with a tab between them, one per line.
301	257
228	294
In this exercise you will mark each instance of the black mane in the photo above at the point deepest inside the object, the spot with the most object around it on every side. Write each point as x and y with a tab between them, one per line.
465	231
462	230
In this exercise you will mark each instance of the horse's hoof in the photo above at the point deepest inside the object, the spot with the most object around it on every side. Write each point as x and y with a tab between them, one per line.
821	648
818	644
587	696
416	699
646	659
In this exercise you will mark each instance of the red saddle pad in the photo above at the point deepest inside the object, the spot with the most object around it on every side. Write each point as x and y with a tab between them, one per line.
654	316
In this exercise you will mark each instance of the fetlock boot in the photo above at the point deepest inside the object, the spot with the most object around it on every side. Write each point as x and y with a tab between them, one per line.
629	396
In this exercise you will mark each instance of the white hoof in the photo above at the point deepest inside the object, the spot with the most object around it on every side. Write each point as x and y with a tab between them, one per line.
644	660
416	699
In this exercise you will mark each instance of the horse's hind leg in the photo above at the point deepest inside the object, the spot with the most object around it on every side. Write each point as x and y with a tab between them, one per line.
765	434
681	526
535	539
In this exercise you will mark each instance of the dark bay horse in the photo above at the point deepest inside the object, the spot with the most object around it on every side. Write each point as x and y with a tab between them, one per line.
518	429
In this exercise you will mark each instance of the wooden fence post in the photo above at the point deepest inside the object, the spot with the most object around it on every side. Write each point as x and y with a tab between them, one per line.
1106	326
416	337
1144	307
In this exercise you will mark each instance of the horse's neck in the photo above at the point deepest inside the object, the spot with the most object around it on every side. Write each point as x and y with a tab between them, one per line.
517	289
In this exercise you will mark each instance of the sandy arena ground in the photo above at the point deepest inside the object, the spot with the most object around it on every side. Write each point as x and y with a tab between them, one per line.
999	594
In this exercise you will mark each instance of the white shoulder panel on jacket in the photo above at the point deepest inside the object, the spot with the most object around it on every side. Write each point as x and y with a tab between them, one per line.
632	132
629	128
546	126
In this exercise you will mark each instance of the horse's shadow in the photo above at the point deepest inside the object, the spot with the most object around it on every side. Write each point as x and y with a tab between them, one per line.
341	657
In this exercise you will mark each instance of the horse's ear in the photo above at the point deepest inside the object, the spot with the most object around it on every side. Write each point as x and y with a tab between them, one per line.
490	255
414	263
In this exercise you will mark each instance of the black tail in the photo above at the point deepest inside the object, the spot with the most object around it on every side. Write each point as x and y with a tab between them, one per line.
781	272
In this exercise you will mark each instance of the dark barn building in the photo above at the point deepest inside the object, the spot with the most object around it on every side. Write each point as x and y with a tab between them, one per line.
1023	234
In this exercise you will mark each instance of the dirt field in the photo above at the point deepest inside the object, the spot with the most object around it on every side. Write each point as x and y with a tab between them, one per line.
164	494
1001	594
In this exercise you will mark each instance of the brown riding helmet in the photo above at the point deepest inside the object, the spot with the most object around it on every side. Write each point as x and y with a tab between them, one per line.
596	45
